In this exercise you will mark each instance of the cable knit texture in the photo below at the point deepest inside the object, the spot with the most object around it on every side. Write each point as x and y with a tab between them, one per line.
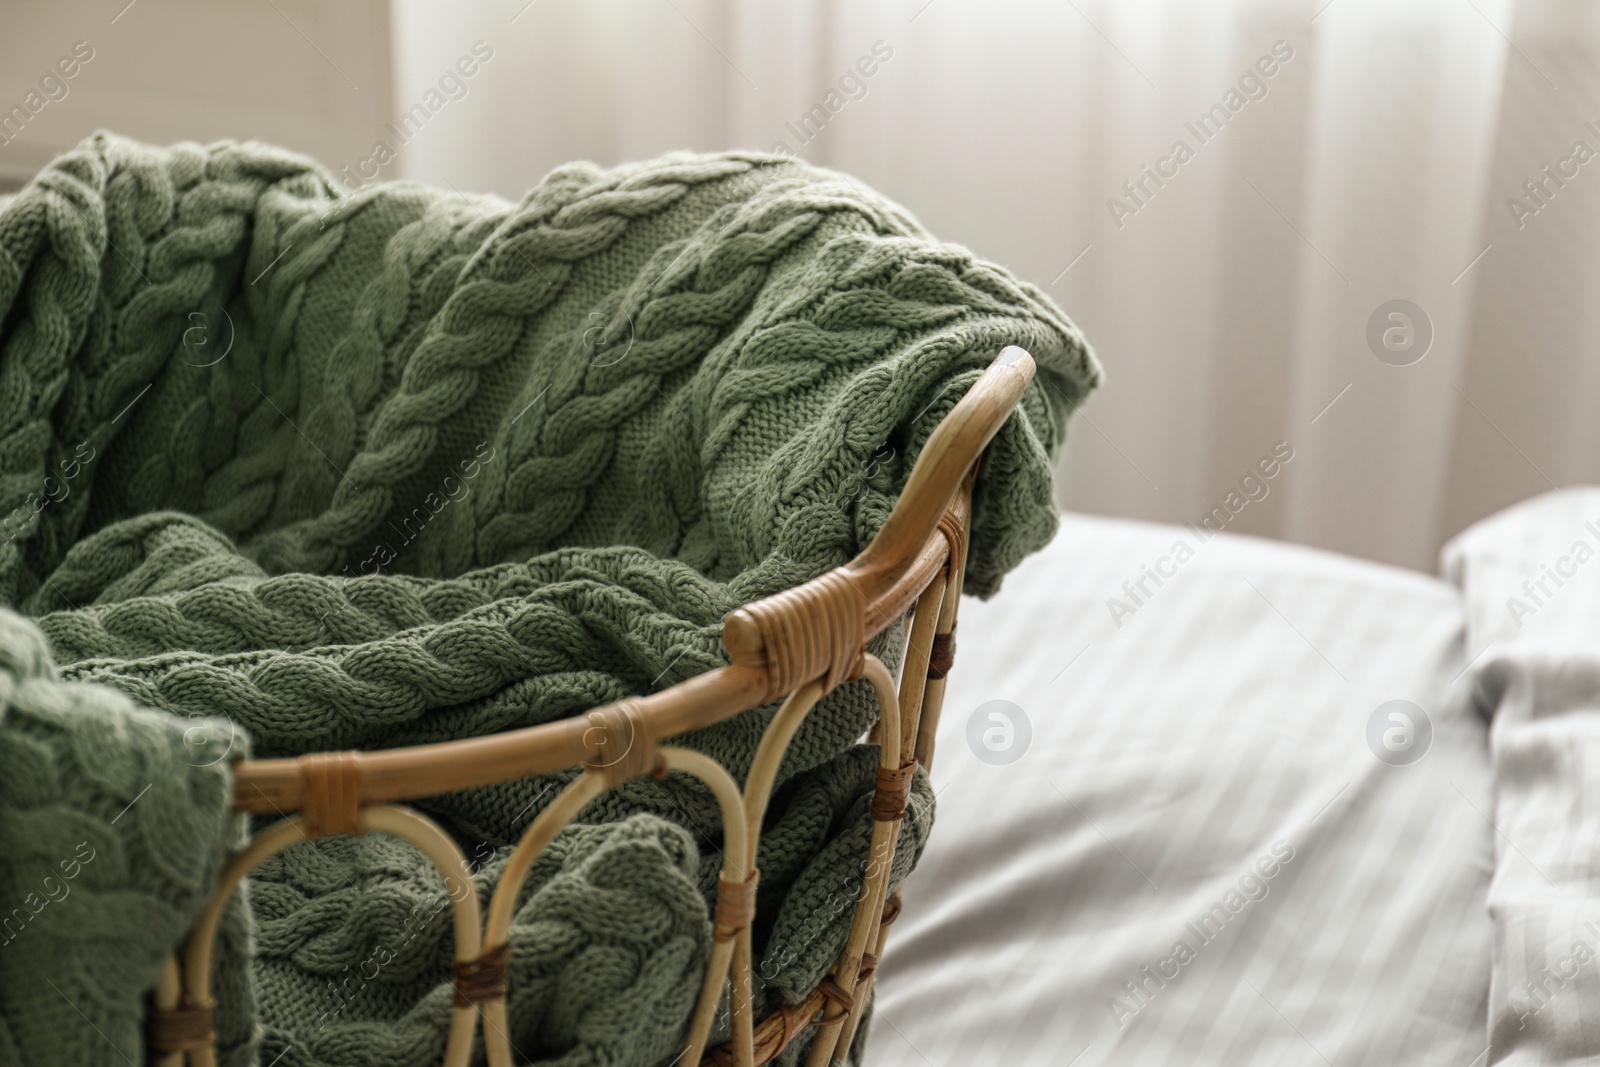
285	468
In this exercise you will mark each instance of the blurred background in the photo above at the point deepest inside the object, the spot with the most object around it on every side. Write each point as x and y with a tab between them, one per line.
1360	231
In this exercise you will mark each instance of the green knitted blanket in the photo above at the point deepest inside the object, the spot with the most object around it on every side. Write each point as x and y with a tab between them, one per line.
285	468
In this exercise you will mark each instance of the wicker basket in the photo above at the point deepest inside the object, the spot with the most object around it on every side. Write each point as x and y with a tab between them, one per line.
799	643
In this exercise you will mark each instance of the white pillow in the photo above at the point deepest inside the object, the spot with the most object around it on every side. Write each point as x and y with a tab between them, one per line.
1199	774
1530	577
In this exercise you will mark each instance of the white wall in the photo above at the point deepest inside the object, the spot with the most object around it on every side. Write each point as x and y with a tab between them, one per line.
312	76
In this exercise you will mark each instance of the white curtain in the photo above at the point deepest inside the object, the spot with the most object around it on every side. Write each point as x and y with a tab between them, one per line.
1340	156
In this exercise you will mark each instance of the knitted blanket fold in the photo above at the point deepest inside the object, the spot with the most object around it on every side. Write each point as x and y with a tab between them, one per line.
285	468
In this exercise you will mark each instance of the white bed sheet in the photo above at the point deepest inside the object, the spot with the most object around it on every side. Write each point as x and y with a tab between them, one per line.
1223	720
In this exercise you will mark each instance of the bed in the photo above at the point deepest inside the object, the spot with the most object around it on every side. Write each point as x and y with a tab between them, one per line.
1222	770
